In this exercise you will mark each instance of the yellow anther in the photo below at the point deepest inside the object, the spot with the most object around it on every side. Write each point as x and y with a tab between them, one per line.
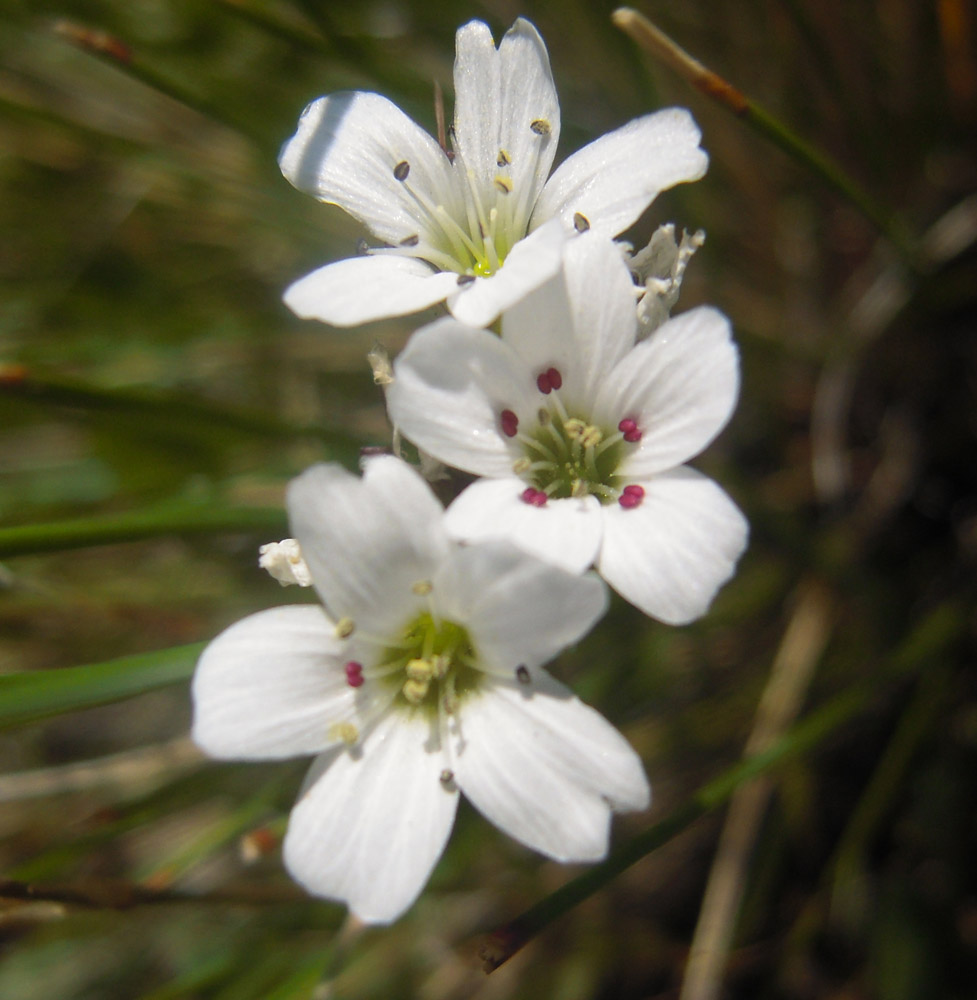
345	627
419	670
422	588
574	428
344	731
578	488
440	665
541	126
521	465
591	436
503	184
503	159
415	691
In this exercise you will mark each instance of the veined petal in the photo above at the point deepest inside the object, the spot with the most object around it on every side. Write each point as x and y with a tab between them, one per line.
518	610
614	179
369	830
545	768
530	123
582	322
499	95
565	533
367	541
680	387
345	152
269	686
450	386
530	263
360	289
669	555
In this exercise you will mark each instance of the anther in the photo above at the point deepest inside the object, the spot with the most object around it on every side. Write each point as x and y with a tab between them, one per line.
521	465
344	731
422	588
630	430
549	380
574	428
631	496
541	126
503	184
580	222
522	674
345	627
415	691
533	496
410	241
401	171
509	423
419	670
447	776
354	674
504	159
465	279
591	436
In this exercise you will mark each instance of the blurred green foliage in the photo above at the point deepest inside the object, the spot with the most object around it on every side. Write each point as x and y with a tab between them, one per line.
155	397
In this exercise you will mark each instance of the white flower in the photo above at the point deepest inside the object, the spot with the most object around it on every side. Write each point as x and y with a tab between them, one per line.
481	226
581	430
419	678
283	561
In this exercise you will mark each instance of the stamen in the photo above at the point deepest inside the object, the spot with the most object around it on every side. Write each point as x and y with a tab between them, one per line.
509	423
345	627
541	126
419	670
415	691
504	159
522	674
590	436
631	496
447	776
464	280
354	674
410	241
503	184
533	496
522	465
630	430
580	222
401	171
344	731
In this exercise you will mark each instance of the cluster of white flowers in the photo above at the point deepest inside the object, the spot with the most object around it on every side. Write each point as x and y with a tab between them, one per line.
422	675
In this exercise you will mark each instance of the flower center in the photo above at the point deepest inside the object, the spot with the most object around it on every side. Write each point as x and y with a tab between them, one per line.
564	455
471	227
434	666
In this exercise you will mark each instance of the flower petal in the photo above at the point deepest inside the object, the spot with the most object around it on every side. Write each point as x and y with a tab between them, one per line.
499	94
345	152
369	830
581	322
612	180
360	289
451	384
545	768
367	541
669	555
518	610
564	533
680	387
269	686
530	263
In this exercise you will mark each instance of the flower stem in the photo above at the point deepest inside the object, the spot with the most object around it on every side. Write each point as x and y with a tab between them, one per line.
174	519
656	42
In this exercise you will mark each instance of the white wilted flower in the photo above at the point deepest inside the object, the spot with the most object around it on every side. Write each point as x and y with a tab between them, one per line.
420	677
283	561
658	269
481	225
581	431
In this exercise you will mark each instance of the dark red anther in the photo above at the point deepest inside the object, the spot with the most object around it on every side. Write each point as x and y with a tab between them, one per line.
354	674
630	430
510	423
532	496
549	380
631	496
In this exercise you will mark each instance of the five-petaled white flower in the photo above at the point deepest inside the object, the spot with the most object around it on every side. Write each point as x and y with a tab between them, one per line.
479	226
419	678
581	430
